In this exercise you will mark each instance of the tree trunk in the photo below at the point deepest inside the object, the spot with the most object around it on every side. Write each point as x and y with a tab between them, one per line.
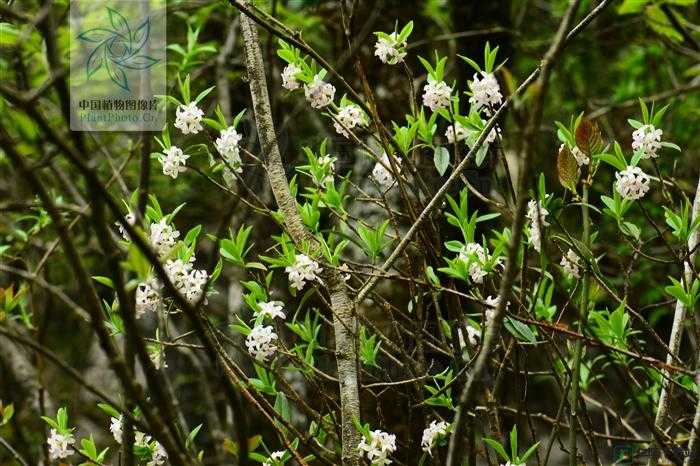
344	322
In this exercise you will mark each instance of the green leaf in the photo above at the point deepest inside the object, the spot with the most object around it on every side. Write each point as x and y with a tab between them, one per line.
498	447
471	63
441	158
109	409
660	23
7	413
192	436
632	6
529	452
519	330
282	406
106	281
203	94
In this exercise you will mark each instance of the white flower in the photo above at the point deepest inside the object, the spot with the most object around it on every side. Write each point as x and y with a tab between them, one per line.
476	257
261	342
271	309
350	116
513	464
537	215
327	163
275	457
632	183
319	93
647	139
303	270
491	304
131	220
581	158
147	297
227	145
115	427
380	446
173	160
193	285
473	335
289	79
189	282
461	131
59	445
382	173
177	270
486	93
390	50
432	433
189	118
158	456
570	264
141	439
345	272
436	94
163	237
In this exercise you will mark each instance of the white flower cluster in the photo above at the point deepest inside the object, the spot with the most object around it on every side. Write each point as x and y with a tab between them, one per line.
289	77
319	93
274	459
570	264
632	183
381	445
433	433
476	257
473	335
147	297
261	342
303	270
474	134
188	280
173	160
486	93
327	163
163	237
382	173
131	220
227	145
189	118
349	116
459	129
158	456
436	94
271	309
390	50
491	304
116	424
537	215
581	158
647	139
141	440
508	463
60	445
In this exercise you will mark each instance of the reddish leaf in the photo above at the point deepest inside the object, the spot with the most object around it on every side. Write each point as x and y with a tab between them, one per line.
588	137
567	168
